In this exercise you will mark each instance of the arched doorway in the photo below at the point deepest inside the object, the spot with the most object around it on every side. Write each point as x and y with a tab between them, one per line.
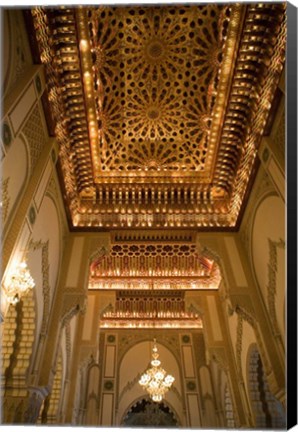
148	413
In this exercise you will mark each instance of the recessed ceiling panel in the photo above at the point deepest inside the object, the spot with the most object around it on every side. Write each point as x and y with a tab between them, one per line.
159	110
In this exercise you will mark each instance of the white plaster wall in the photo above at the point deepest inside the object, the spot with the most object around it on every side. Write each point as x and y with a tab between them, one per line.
135	362
269	223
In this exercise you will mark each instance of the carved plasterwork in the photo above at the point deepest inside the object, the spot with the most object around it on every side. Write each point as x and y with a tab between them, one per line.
157	108
34	132
239	344
271	287
5	199
68	344
44	246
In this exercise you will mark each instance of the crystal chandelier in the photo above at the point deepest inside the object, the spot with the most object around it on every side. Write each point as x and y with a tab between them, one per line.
19	283
155	380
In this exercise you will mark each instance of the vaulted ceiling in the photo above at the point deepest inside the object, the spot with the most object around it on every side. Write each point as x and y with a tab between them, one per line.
159	110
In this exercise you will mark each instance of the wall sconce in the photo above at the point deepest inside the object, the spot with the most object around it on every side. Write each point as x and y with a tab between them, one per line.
18	283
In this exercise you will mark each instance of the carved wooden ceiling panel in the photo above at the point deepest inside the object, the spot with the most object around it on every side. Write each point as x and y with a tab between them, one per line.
155	75
159	110
153	264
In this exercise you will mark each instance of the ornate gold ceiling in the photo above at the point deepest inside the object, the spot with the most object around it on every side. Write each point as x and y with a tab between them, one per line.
159	110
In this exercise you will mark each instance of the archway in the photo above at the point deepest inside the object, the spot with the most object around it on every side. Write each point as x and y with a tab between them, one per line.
148	413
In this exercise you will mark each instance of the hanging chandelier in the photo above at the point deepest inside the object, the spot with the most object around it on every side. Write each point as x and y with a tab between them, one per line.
155	380
19	283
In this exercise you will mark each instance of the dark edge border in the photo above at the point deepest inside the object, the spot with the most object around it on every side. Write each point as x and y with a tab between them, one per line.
291	113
